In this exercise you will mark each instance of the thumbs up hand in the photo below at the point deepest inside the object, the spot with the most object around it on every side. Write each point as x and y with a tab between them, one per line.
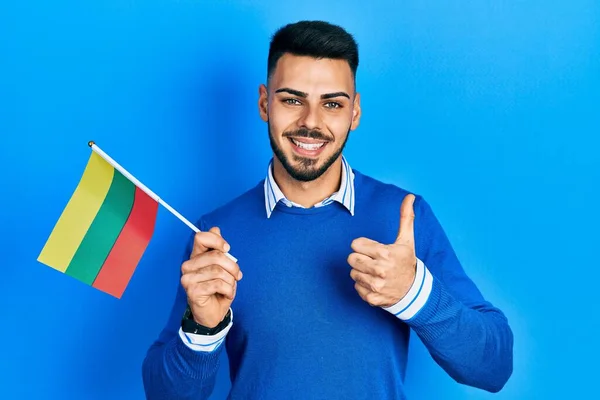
385	272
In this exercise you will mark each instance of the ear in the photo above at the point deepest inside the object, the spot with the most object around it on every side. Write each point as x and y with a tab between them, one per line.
356	112
263	103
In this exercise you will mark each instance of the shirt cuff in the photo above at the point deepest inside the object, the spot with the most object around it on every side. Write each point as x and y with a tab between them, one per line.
417	295
205	343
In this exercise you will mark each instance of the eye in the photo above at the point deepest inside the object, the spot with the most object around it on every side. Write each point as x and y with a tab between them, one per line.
291	102
333	105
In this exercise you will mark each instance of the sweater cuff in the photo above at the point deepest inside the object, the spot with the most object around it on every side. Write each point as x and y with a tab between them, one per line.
195	364
416	297
205	343
436	318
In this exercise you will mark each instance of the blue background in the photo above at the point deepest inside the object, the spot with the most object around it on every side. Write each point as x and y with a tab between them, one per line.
489	109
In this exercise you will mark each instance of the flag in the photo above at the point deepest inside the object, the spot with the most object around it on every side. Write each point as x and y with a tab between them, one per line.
103	231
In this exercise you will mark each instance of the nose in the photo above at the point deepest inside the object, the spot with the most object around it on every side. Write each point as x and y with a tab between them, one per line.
310	118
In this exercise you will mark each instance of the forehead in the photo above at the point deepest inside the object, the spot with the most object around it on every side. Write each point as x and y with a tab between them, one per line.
312	75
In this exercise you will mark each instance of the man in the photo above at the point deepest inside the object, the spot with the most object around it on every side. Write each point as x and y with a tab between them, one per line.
336	267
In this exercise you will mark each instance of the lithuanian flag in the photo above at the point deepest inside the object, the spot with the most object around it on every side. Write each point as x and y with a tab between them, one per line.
105	228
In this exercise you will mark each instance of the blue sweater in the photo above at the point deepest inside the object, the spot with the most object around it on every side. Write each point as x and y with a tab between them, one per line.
300	330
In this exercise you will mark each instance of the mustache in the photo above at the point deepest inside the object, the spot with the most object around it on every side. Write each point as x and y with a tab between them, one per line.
307	133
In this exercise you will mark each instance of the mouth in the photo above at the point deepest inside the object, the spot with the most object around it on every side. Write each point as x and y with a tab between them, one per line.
308	147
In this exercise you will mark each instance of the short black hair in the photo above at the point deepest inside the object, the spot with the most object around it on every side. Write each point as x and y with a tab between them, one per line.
316	39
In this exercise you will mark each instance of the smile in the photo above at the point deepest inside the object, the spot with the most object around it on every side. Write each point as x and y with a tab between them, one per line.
308	147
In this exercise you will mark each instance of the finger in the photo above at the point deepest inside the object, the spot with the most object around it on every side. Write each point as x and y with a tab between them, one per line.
373	299
208	240
234	288
370	248
406	232
209	288
364	264
209	273
210	258
370	282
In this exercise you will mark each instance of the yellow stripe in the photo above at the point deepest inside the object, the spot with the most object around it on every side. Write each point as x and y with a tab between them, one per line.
78	215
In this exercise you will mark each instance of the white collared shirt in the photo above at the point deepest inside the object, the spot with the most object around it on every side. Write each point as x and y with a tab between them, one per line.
345	195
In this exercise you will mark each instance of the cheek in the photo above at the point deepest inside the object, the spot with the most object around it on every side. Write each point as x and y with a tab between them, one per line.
339	125
281	121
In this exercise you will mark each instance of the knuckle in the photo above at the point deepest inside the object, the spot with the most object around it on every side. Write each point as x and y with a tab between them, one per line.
185	266
186	282
358	279
365	282
371	298
223	259
212	257
384	253
215	270
217	242
218	257
199	239
378	285
183	280
374	286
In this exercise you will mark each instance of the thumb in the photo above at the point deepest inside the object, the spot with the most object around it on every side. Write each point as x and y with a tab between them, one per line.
217	231
204	242
406	232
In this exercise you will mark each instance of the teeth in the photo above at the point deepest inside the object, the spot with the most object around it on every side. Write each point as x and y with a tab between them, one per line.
308	146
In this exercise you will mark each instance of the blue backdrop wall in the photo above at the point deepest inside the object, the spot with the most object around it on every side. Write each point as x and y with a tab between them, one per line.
489	109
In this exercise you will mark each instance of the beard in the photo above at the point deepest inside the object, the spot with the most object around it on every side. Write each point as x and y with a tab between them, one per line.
307	170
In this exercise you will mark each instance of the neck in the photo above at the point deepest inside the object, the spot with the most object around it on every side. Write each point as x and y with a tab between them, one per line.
307	194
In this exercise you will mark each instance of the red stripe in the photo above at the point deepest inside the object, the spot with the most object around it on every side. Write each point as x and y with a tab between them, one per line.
119	266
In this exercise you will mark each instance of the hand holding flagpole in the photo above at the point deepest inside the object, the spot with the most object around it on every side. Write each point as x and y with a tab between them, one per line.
146	190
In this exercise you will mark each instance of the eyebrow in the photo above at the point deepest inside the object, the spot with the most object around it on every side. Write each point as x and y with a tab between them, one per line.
305	95
332	95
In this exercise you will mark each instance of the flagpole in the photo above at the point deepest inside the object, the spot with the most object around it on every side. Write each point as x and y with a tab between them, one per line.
146	189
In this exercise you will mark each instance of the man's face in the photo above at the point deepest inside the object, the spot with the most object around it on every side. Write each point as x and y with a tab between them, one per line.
310	107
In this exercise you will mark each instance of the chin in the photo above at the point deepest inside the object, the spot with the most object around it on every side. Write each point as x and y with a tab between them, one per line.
304	174
307	164
306	169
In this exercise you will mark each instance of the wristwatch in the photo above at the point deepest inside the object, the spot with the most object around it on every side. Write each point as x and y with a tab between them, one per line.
188	325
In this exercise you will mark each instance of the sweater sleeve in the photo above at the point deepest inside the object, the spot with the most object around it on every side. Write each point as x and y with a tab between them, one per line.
465	334
178	368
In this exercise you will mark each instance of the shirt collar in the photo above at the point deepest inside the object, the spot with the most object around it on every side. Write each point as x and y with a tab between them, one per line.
345	194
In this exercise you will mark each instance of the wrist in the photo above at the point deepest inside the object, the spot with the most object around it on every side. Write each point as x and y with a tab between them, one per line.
209	323
191	324
417	295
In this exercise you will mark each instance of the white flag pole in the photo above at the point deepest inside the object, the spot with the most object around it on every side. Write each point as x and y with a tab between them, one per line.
146	190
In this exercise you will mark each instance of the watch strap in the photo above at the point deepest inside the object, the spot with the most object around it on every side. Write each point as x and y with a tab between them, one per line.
189	325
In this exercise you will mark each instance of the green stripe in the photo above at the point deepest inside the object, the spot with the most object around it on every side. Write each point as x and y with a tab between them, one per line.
104	230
